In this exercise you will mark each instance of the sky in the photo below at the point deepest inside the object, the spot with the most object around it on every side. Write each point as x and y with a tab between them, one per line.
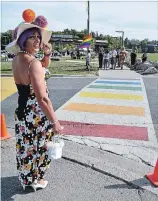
138	20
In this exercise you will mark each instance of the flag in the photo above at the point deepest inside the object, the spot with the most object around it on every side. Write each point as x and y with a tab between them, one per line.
86	42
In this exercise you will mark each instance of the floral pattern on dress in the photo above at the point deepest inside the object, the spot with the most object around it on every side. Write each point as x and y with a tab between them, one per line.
33	130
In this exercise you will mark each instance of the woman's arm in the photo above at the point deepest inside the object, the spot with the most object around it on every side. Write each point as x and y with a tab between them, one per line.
39	87
46	60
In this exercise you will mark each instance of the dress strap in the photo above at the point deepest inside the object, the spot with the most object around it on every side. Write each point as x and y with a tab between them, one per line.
30	65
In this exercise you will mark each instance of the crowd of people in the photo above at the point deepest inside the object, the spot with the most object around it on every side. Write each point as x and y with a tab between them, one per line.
110	59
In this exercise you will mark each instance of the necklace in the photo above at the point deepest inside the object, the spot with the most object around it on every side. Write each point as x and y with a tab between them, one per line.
24	51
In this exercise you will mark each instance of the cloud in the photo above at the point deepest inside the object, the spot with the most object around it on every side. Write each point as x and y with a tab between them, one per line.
137	19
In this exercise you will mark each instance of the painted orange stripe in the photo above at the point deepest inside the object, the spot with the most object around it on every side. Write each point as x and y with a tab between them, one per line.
108	109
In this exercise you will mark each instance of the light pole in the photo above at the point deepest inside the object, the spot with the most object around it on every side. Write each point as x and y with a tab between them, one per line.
88	18
122	37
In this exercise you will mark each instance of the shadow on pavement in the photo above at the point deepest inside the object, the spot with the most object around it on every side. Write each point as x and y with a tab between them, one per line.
132	185
10	186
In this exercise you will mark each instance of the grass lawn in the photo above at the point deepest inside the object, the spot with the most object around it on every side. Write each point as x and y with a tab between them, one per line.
77	67
151	56
71	67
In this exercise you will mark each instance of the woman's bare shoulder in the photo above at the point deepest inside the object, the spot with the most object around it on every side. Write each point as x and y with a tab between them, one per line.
35	66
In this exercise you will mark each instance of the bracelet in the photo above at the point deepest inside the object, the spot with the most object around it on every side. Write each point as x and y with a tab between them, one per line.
48	55
54	122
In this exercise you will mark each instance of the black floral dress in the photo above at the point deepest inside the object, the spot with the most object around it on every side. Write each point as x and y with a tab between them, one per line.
33	130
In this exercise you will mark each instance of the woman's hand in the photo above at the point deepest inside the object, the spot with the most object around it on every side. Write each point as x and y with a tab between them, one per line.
47	48
57	128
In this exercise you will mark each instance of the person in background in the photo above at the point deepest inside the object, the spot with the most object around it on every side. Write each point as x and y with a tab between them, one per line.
133	57
88	60
114	54
106	59
100	57
78	54
68	52
118	57
123	56
110	59
144	57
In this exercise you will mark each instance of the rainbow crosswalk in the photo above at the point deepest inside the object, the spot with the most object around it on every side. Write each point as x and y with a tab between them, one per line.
109	108
5	90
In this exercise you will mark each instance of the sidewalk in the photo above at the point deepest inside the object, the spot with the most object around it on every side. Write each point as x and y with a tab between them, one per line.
112	114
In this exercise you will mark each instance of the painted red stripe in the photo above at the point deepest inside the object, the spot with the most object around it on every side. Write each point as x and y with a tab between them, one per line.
108	131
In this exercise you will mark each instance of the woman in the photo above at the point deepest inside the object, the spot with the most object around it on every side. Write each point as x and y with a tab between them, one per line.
117	57
144	57
106	59
100	57
133	57
122	57
88	60
35	118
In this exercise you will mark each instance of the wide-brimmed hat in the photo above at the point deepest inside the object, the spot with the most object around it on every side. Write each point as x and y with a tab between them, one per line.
40	22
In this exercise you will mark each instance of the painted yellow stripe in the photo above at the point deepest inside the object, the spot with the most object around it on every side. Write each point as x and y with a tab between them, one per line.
107	109
111	96
8	87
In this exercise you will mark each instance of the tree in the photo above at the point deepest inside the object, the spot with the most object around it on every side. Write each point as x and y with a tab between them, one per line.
113	42
93	34
126	42
67	31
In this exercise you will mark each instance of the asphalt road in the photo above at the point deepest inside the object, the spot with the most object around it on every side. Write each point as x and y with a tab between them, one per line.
62	89
151	85
68	181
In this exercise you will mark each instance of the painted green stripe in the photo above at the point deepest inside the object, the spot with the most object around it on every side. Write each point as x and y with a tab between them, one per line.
115	87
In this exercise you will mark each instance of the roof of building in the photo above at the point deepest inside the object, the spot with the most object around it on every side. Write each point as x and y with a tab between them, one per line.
101	41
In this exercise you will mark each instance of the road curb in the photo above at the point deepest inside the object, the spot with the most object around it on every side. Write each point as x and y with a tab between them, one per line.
57	75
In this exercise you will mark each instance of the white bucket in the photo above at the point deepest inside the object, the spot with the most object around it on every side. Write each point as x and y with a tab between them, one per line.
55	148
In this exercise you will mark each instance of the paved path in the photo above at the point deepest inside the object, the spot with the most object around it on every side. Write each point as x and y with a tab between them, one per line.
112	113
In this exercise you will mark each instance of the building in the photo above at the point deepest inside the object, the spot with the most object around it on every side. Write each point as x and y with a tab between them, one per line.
101	43
70	39
63	38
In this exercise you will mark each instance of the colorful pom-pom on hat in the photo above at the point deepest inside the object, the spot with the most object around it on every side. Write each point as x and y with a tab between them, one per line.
28	15
39	22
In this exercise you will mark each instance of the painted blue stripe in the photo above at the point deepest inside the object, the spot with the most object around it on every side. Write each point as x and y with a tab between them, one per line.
118	82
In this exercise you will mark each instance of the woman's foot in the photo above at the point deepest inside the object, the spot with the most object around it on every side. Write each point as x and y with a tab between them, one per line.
42	181
40	184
